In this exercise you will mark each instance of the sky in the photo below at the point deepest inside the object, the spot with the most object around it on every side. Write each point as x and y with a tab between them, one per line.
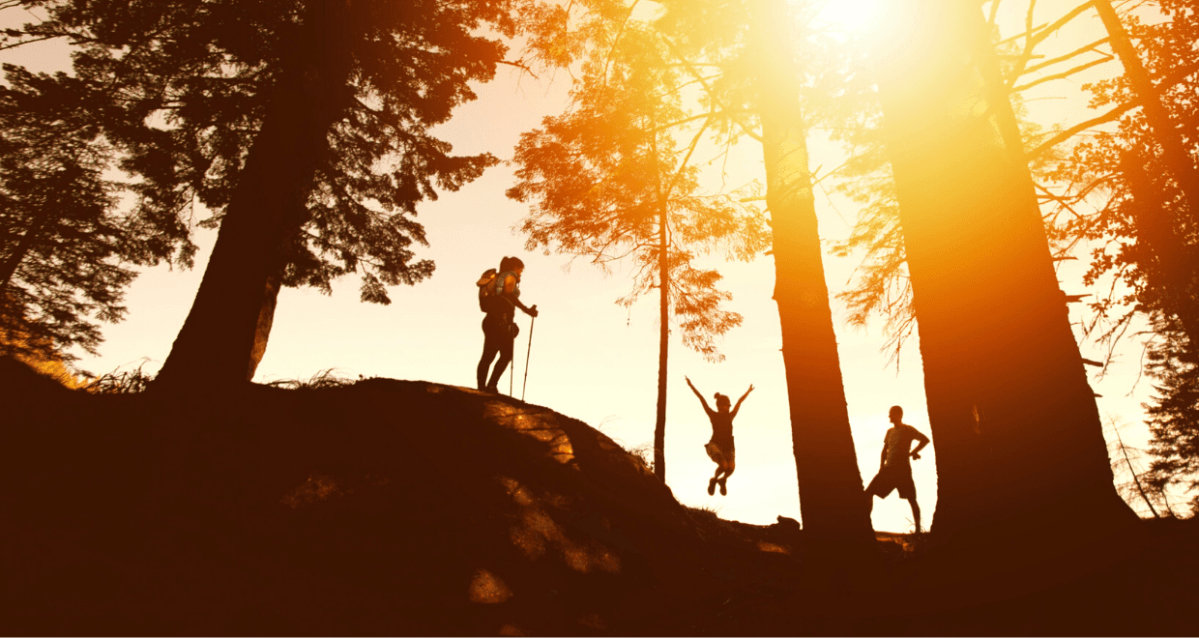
590	358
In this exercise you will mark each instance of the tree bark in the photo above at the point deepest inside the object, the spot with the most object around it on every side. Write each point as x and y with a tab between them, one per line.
226	331
1019	442
1174	278
832	503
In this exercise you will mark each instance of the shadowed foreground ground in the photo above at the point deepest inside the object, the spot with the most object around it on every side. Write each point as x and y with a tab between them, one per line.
400	507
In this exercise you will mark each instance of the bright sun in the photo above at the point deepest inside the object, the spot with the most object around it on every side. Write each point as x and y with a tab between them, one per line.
850	15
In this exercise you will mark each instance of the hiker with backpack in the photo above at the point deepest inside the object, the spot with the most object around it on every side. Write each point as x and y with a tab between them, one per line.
499	297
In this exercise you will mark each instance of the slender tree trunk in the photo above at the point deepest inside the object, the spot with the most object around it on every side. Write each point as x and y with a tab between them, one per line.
1175	276
663	323
663	346
226	331
831	499
1019	442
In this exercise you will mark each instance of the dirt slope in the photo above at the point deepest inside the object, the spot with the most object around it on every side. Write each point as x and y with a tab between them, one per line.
410	508
387	506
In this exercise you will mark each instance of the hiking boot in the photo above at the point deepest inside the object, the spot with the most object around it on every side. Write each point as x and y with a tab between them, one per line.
712	487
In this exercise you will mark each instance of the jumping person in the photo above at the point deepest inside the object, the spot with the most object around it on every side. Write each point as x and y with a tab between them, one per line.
895	468
500	302
720	447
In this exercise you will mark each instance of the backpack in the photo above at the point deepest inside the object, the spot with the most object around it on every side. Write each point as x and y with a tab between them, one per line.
487	291
490	291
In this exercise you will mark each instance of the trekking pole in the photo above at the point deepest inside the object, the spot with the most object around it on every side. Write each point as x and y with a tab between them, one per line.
529	353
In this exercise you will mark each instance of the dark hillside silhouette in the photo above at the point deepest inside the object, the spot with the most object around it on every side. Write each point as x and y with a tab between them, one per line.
1014	420
404	507
391	507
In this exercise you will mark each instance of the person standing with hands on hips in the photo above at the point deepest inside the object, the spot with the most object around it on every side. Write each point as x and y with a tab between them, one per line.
895	467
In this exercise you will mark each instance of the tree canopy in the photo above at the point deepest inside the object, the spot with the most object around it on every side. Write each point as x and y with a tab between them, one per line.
65	253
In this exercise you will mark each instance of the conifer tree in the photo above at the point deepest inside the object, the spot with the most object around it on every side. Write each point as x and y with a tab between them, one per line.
63	249
1147	229
304	125
1008	396
740	60
607	180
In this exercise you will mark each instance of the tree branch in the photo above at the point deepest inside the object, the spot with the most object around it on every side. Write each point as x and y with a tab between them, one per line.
1061	76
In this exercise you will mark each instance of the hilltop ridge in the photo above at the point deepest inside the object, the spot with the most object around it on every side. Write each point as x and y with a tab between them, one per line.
383	506
407	507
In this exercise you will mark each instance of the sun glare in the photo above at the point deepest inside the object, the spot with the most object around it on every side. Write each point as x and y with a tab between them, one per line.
850	15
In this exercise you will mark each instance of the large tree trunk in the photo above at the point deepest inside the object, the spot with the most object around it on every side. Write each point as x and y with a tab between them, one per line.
832	504
1019	442
1175	273
226	331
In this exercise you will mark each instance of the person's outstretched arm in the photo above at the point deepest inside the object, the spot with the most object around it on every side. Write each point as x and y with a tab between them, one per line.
739	401
698	395
509	289
923	442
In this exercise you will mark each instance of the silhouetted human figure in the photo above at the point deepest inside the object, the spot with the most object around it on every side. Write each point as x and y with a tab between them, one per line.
720	447
499	329
895	468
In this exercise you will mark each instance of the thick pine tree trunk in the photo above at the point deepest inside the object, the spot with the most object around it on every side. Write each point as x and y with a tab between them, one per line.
226	331
831	500
1175	274
1019	442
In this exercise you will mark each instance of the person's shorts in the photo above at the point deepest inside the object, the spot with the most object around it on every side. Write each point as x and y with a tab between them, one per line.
722	454
890	478
499	327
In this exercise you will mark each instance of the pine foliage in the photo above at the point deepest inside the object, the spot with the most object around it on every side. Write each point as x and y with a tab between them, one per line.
1174	414
1144	232
598	176
64	251
180	89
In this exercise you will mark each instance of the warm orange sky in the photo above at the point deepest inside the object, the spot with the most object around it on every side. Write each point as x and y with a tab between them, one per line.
592	359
